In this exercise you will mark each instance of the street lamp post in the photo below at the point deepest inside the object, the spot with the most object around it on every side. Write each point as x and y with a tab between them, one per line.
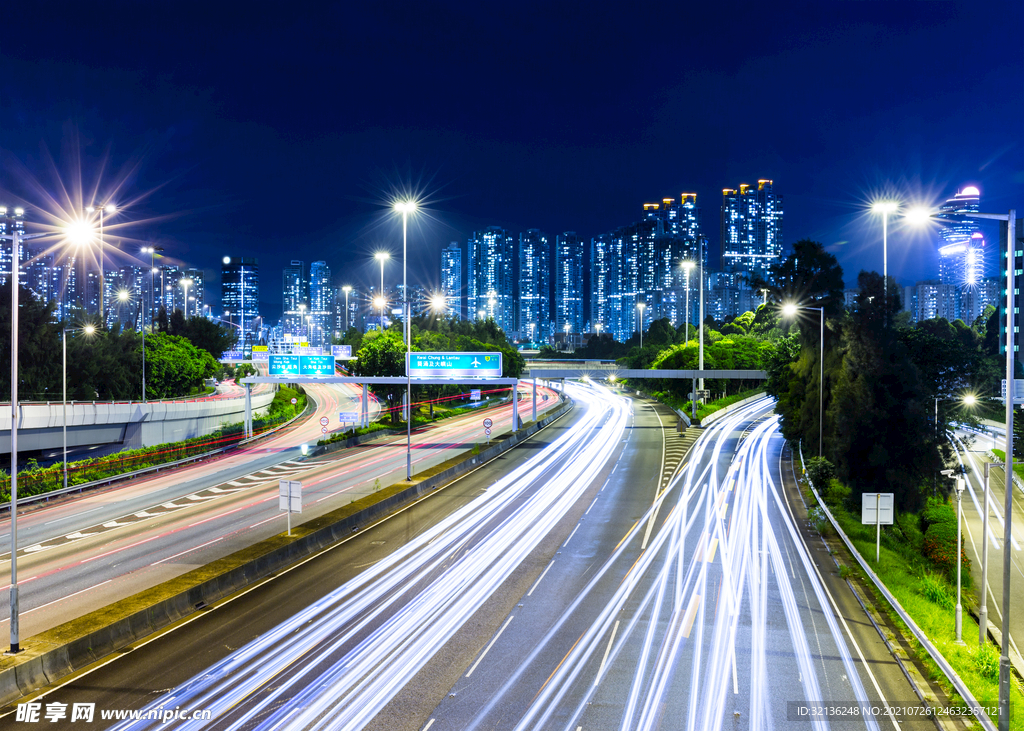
1004	657
15	238
790	310
885	208
88	330
108	208
959	563
687	268
405	208
640	306
185	284
346	289
382	256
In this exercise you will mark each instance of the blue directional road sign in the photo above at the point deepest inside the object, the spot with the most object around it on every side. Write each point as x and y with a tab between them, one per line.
316	365
284	365
453	365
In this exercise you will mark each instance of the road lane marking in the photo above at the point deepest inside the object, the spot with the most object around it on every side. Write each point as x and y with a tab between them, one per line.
530	592
490	645
188	550
608	649
691	614
571	535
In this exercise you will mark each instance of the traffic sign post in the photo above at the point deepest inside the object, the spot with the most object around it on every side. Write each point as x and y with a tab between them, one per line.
487	428
323	430
289	498
453	365
876	507
324	421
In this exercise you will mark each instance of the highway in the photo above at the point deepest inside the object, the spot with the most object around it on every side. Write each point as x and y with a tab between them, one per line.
582	586
82	554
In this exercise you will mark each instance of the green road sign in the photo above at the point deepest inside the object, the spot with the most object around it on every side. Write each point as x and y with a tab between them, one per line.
284	365
453	365
316	365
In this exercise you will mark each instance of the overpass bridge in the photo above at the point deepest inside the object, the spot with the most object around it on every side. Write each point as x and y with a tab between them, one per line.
608	369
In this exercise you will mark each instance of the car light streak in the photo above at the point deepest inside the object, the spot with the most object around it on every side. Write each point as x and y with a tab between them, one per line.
363	642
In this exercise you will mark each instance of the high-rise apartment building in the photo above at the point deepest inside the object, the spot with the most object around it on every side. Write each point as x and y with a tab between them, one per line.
321	303
295	293
568	305
751	229
962	254
534	285
491	277
240	294
642	263
451	278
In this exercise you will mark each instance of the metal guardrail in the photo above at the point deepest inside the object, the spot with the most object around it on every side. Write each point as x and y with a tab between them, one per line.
5	507
940	660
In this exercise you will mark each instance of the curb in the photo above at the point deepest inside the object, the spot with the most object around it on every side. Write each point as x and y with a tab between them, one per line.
70	647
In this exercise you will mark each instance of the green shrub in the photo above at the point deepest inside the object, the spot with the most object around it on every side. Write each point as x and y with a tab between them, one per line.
940	548
819	520
986	660
934	589
938	510
821	472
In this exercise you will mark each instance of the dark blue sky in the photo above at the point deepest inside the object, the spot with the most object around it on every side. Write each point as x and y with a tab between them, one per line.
279	131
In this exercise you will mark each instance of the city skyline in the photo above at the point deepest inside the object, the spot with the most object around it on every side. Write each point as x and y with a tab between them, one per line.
196	151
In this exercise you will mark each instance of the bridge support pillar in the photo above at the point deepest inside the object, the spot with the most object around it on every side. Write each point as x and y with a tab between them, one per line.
366	407
515	407
248	410
535	400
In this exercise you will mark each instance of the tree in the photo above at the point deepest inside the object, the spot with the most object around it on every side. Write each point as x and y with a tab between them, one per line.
810	276
383	354
204	334
39	369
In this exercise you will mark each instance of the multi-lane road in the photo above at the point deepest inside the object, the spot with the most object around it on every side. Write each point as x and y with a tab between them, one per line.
582	582
82	554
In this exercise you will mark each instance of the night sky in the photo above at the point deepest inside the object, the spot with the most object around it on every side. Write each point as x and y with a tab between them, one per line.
281	130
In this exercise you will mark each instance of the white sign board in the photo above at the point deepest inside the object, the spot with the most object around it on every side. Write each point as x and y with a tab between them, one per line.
868	503
345	416
289	496
1018	390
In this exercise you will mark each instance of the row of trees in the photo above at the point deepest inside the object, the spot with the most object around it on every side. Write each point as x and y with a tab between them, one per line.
106	365
882	378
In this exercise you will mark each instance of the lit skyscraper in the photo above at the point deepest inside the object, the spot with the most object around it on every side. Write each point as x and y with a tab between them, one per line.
751	229
491	277
568	284
451	278
962	254
240	293
11	220
295	293
321	303
534	285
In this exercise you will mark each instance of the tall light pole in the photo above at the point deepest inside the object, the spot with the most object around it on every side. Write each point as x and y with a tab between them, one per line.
346	289
640	306
789	310
405	208
382	256
885	207
105	208
185	284
687	268
920	216
700	325
88	330
15	237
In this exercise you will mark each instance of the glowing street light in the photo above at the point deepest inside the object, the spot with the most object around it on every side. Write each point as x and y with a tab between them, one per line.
640	306
405	208
884	208
346	289
790	310
438	303
185	284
